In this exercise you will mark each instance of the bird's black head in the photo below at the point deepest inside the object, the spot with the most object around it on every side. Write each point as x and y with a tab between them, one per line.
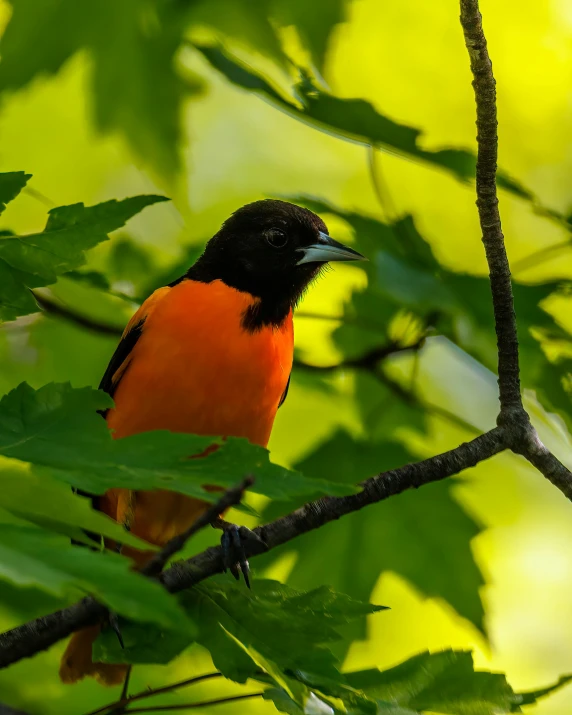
272	250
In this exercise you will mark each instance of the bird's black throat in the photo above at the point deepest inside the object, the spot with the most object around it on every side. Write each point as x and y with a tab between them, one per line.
277	296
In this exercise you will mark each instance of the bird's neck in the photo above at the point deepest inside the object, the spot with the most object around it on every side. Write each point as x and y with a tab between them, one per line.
266	313
272	303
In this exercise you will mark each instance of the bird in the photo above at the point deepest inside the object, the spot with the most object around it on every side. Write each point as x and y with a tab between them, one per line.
210	354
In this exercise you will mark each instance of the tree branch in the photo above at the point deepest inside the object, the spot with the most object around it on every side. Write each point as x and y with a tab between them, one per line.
54	307
487	204
521	435
28	639
367	361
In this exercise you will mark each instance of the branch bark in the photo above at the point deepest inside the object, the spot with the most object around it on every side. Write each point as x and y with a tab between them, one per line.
487	203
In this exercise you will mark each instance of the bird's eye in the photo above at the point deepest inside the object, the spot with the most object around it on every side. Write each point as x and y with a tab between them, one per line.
276	238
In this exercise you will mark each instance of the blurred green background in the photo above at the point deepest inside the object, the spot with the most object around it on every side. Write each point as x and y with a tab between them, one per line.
111	99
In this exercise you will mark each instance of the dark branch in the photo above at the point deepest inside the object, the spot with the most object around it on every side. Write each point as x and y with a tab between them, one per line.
487	204
54	307
542	458
316	514
28	639
520	434
149	693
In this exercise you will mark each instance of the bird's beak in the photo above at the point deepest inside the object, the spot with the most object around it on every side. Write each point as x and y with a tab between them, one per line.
326	249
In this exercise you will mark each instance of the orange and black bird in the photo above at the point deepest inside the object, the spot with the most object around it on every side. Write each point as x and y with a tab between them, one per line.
209	354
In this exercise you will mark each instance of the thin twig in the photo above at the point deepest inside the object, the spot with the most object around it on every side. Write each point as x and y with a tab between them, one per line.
54	307
157	691
367	361
119	708
413	399
39	196
231	497
360	322
194	706
125	689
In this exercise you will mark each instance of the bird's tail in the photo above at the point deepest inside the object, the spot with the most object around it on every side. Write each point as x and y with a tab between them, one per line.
77	661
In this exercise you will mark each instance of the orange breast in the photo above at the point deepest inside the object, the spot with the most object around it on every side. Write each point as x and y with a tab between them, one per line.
195	369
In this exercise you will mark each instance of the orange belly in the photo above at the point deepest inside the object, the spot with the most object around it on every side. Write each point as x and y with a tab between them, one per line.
196	370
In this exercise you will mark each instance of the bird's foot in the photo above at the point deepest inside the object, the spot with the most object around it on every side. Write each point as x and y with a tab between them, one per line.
113	621
235	542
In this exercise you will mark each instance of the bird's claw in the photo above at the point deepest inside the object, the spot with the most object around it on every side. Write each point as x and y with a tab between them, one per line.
114	623
233	541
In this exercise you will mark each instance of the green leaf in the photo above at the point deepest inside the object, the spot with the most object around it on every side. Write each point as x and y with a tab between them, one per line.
137	89
92	279
11	183
444	682
273	629
54	29
284	703
354	120
70	231
37	259
34	557
314	22
283	625
189	255
437	562
52	505
15	296
241	20
128	261
58	428
532	697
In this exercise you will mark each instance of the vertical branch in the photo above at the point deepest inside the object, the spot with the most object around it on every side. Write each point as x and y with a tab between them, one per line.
519	434
487	204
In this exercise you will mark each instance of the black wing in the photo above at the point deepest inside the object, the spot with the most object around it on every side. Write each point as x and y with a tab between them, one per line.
126	344
285	393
